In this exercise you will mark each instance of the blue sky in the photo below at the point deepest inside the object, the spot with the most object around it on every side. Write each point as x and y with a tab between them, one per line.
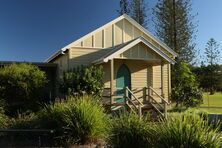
31	30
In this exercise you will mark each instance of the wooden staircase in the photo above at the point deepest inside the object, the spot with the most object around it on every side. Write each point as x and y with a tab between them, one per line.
147	103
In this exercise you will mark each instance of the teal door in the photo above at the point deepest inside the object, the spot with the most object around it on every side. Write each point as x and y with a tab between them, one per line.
123	79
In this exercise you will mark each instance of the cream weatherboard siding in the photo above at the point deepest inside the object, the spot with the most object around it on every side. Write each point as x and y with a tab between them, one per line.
141	74
143	63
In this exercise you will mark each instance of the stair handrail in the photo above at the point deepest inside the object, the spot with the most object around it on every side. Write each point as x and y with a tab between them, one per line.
162	99
133	95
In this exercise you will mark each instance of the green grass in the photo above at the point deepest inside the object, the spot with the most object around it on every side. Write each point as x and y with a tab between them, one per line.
214	100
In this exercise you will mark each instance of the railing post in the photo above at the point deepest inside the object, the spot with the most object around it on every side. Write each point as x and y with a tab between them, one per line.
126	94
149	93
140	111
144	94
165	110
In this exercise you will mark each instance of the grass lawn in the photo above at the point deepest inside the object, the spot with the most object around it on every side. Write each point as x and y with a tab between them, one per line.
214	100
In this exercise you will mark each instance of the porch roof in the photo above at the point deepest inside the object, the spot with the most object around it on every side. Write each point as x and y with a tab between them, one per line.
111	53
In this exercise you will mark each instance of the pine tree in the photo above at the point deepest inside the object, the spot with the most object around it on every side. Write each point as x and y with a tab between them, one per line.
174	26
137	9
211	51
124	7
139	12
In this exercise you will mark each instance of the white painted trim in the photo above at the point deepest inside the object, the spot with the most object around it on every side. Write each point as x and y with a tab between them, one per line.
103	38
123	31
149	34
137	41
87	47
110	23
113	35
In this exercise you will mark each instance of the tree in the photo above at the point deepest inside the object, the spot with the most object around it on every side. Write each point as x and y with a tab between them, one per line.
209	77
185	91
20	85
124	7
211	51
137	9
174	26
139	12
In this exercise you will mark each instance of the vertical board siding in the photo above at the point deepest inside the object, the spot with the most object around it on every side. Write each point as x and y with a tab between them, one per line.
115	34
98	39
119	33
108	37
88	42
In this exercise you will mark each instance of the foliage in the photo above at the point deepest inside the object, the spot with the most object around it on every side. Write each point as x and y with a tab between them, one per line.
20	83
83	79
86	121
211	51
209	77
139	12
137	9
4	120
185	89
129	131
77	120
186	130
24	120
201	113
124	7
174	25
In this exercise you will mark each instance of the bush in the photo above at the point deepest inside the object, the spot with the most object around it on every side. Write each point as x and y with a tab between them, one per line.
186	130
83	79
24	120
185	91
3	120
86	121
76	121
19	85
129	131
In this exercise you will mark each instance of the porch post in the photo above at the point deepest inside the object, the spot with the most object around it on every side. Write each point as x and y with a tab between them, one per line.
162	76
111	80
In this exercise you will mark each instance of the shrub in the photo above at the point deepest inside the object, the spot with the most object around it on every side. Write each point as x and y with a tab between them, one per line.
19	85
24	120
186	130
185	89
86	121
76	121
83	79
3	120
129	131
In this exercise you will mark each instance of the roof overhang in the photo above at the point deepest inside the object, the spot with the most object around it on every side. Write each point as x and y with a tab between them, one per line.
56	54
127	46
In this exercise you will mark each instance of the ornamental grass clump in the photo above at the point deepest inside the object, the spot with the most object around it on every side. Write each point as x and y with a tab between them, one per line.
86	121
128	130
78	120
186	130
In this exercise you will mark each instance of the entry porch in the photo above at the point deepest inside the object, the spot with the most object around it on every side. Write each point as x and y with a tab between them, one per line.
137	75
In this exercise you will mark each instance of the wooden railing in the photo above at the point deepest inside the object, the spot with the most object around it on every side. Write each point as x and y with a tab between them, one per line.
131	99
149	97
155	103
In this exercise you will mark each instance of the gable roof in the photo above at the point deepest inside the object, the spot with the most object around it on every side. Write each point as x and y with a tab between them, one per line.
115	51
124	16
